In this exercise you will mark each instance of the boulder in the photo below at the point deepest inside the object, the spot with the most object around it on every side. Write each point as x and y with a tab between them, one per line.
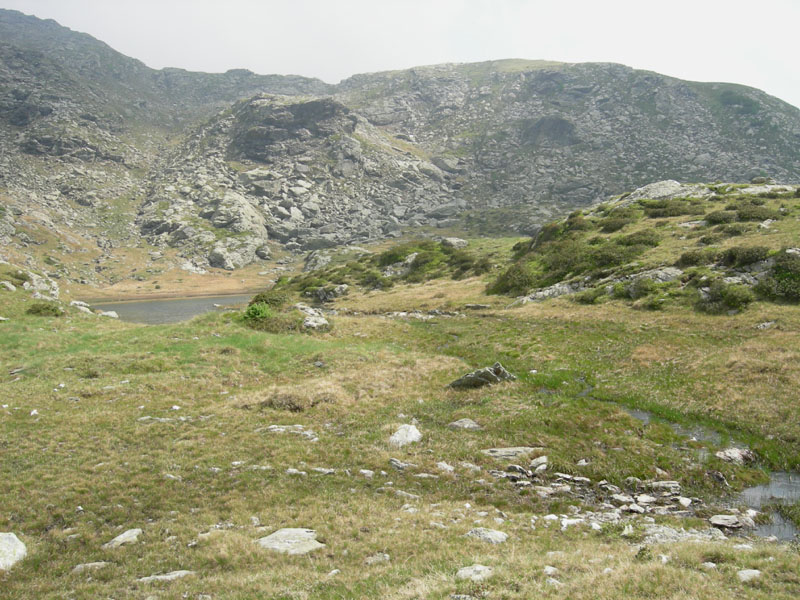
128	537
725	521
486	376
468	424
405	434
171	576
491	536
12	550
474	573
737	456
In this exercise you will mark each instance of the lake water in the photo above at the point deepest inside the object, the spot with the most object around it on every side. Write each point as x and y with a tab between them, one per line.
155	312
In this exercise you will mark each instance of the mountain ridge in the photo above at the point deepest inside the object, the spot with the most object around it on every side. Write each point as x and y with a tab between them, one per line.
210	169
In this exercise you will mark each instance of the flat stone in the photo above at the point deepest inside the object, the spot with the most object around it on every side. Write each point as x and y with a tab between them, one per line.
291	541
171	576
405	434
467	424
12	550
509	453
491	536
746	575
475	573
92	566
128	537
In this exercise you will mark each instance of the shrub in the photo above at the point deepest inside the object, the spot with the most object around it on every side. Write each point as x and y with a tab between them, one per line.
693	258
517	279
45	309
783	281
612	224
719	217
272	298
646	237
722	297
262	317
373	280
735	229
739	256
590	296
756	213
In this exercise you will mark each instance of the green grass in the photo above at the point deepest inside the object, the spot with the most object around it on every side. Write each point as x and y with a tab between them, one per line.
91	380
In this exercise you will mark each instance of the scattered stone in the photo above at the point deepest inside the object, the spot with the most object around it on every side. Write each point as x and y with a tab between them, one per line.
405	434
291	541
316	323
708	566
548	570
128	537
486	376
12	550
379	557
737	456
92	566
171	576
746	575
444	467
475	573
467	424
112	314
491	536
538	464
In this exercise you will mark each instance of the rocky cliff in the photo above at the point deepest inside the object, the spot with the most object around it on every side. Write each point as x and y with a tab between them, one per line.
99	151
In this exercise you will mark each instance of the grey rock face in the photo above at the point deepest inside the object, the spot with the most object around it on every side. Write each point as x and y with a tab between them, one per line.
486	376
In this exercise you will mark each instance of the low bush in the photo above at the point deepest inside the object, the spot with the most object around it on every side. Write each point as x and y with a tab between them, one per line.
516	280
783	280
693	258
612	224
45	309
722	297
645	237
590	296
718	217
740	256
756	213
271	298
263	317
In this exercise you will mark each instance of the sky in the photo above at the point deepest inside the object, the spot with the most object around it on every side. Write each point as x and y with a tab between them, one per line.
752	43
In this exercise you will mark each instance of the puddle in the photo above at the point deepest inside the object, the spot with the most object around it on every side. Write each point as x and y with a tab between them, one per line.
782	486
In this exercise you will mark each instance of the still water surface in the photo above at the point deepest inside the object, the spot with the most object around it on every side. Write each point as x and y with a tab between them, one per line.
155	312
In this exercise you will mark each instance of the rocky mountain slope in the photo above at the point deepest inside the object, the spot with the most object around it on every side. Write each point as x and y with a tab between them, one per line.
99	152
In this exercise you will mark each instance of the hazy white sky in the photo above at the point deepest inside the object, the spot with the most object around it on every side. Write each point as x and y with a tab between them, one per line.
754	43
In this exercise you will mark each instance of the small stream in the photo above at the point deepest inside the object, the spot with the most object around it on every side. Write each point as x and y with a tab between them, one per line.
782	486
